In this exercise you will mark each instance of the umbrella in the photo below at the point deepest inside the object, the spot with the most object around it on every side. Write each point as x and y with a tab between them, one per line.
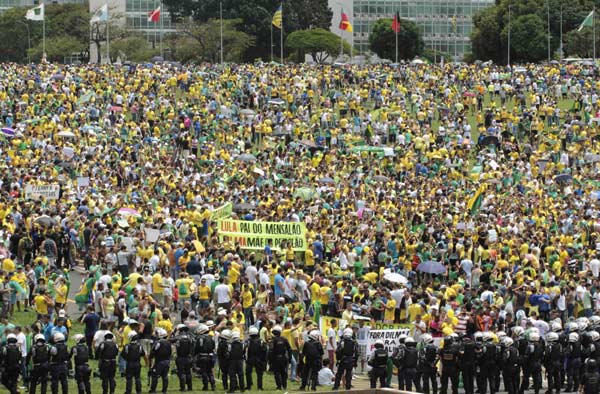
58	77
489	140
156	59
246	157
247	111
116	108
7	131
394	277
66	133
554	62
591	158
417	61
326	180
277	102
563	178
129	212
468	94
258	171
305	193
381	178
243	207
45	220
280	133
494	181
308	143
431	267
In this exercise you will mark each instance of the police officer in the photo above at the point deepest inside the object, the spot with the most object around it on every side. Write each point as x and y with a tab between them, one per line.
183	360
280	356
347	356
397	359
40	358
132	353
378	363
427	361
223	357
510	365
590	379
161	360
409	363
497	371
487	366
256	358
59	358
552	361
312	352
467	358
449	357
573	353
236	353
11	363
205	350
533	355
81	355
107	363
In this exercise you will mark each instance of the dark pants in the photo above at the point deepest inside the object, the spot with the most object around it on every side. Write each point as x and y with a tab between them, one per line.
573	373
378	373
133	372
536	374
58	373
429	375
205	365
279	368
39	375
400	378
449	372
311	371
224	366
344	369
511	380
161	369
485	376
10	377
82	377
184	372
108	368
553	372
468	373
410	378
260	369
236	375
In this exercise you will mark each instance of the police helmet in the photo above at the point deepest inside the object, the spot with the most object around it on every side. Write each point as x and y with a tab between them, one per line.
478	336
507	341
572	326
427	338
487	336
409	340
573	337
551	337
182	327
402	338
39	338
235	335
314	335
500	335
556	326
109	336
534	336
594	320
226	334
203	329
253	331
590	363
58	337
78	338
161	333
348	332
132	336
276	330
379	343
518	331
594	336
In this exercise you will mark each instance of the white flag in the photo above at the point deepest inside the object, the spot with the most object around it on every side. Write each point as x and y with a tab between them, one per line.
36	13
101	14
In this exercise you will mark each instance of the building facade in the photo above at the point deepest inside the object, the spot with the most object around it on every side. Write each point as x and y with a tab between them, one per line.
6	4
446	24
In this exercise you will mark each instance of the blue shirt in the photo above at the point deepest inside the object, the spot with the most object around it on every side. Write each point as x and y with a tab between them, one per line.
278	285
91	321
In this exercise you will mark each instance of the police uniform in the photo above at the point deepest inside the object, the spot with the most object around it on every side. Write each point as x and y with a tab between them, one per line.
427	368
236	365
409	364
449	357
205	348
81	356
256	358
59	357
132	354
11	360
40	358
107	363
533	357
573	352
347	355
161	353
222	356
552	363
398	359
281	353
312	352
467	360
485	374
183	362
378	363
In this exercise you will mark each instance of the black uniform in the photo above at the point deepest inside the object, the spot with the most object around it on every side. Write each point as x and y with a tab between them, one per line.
11	363
552	363
107	363
378	363
449	357
427	367
81	356
347	355
161	353
59	358
467	364
590	380
236	365
510	369
409	364
184	362
40	359
533	358
398	359
222	349
133	354
573	353
256	358
280	355
312	353
485	372
522	346
205	349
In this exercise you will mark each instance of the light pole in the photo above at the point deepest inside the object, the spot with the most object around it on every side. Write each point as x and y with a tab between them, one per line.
221	27
28	39
548	16
561	38
508	49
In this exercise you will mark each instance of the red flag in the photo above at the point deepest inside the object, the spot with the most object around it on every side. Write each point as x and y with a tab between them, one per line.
345	23
396	23
154	16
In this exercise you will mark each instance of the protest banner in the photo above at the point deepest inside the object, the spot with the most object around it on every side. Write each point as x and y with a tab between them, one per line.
256	235
222	212
35	192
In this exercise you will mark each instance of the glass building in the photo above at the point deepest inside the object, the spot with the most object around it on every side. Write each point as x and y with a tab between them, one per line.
6	4
446	24
136	18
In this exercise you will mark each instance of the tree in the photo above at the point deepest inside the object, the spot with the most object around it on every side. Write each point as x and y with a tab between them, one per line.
485	38
134	48
579	43
58	48
382	40
205	38
319	43
256	18
529	38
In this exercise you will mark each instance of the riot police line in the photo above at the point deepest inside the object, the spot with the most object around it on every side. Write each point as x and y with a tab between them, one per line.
569	358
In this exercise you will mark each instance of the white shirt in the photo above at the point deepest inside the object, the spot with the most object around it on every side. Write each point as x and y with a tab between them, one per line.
325	377
168	285
222	292
22	343
264	279
251	273
595	267
331	339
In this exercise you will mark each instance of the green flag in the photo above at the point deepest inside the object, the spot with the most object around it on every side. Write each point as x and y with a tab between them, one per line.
588	21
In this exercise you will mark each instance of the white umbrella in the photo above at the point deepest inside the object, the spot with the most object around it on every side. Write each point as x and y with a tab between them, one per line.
66	133
394	277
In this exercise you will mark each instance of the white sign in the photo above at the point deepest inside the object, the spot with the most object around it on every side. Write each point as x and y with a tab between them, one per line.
152	235
49	192
83	181
390	338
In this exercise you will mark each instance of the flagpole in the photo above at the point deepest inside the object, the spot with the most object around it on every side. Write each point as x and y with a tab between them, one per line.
594	30
396	44
44	33
271	42
162	54
107	41
221	29
281	33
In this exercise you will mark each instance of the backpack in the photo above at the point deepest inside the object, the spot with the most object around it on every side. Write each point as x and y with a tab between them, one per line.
12	356
346	348
40	354
311	350
27	244
236	351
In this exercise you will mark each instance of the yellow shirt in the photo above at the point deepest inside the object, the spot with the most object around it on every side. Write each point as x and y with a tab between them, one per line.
413	311
390	309
247	299
61	294
40	305
157	283
167	325
203	292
